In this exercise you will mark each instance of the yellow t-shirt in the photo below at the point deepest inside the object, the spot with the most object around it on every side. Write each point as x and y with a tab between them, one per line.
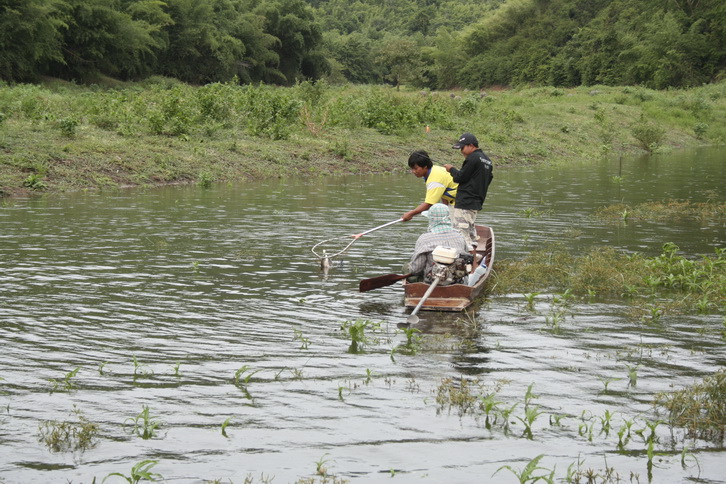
440	186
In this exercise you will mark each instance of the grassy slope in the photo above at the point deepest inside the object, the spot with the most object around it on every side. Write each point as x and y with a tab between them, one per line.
513	126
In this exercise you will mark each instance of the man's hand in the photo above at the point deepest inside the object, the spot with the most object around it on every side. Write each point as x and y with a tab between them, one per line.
448	167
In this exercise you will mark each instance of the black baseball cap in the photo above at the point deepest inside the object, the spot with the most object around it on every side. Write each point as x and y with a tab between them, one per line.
466	139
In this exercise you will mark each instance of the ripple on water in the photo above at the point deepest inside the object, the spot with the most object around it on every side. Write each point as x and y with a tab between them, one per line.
197	285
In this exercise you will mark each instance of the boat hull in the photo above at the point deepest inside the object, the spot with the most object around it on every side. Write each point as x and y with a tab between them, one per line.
455	297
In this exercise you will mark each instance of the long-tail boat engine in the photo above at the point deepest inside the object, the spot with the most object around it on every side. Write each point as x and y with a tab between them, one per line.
451	266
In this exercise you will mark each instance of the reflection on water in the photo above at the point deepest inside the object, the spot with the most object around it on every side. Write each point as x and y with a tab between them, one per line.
213	280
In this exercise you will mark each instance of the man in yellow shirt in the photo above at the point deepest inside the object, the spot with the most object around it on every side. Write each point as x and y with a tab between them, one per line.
440	186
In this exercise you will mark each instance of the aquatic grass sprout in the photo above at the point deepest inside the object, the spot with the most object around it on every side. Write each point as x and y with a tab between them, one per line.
320	468
141	471
697	283
526	474
606	381
369	376
242	376
67	383
412	344
700	409
667	210
531	297
530	415
299	336
69	435
605	422
140	370
623	438
144	424
413	337
225	424
632	375
356	330
456	393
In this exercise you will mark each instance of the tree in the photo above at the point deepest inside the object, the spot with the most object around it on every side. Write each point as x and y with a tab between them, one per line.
401	59
448	59
292	22
202	44
354	53
102	38
31	33
260	61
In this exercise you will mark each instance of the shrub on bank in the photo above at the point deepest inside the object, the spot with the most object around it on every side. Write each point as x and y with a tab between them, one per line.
151	132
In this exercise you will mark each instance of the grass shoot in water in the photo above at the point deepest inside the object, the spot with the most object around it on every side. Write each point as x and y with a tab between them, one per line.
607	381
139	472
691	284
242	377
225	424
298	336
527	474
369	376
632	375
69	435
356	331
65	384
140	370
144	424
530	297
320	465
700	408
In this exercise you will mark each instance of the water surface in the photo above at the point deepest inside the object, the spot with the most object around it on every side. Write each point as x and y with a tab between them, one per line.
215	279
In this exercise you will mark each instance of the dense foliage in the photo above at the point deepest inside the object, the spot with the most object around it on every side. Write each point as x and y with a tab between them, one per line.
196	41
436	44
658	44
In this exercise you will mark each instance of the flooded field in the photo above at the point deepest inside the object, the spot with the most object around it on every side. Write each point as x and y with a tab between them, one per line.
193	328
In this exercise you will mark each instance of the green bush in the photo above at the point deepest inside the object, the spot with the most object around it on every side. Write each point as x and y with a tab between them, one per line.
213	101
270	112
647	134
386	113
700	130
469	104
35	182
68	126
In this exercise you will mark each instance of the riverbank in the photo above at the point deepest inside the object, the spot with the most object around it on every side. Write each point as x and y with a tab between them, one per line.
61	137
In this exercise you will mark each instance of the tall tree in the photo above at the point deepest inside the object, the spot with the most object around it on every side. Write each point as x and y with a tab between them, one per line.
261	60
401	59
354	53
31	33
202	44
293	23
102	38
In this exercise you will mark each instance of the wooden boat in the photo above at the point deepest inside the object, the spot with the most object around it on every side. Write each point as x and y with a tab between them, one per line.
455	297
